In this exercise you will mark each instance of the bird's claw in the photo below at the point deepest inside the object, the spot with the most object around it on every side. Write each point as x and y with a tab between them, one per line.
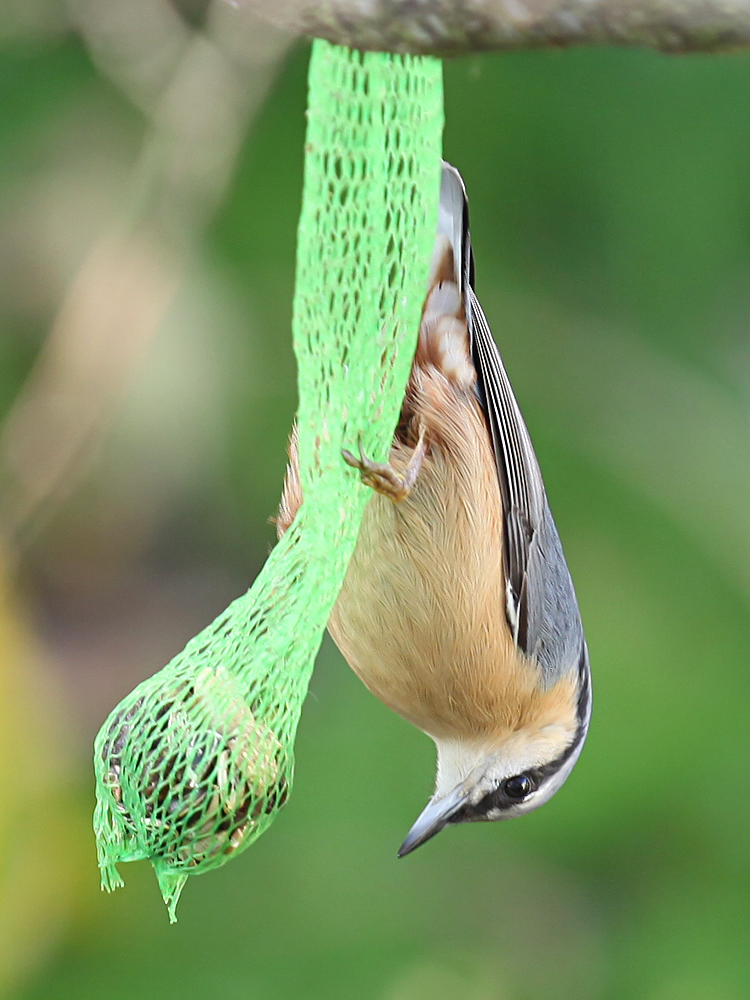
383	477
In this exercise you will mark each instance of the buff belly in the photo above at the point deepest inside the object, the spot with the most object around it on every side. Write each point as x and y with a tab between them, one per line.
420	617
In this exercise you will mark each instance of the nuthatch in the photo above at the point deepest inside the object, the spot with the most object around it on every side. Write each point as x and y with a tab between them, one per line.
458	610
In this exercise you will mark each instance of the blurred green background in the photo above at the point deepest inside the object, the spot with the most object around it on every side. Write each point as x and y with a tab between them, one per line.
150	169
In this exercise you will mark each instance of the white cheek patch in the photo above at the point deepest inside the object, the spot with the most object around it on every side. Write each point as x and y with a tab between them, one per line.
456	761
486	765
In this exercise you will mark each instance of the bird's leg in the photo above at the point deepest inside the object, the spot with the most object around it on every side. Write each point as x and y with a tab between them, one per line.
382	476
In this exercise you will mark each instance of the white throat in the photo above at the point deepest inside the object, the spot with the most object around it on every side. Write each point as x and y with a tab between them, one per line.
458	760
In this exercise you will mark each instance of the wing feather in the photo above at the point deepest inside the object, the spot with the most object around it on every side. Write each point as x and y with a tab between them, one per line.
541	605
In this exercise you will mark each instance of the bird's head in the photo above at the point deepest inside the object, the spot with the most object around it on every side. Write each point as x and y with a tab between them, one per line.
509	776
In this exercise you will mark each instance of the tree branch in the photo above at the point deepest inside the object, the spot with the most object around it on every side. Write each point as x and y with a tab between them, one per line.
452	27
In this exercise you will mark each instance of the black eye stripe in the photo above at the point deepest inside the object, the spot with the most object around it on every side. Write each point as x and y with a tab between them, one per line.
498	802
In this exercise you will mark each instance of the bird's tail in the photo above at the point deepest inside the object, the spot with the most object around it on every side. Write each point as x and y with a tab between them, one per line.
443	334
452	232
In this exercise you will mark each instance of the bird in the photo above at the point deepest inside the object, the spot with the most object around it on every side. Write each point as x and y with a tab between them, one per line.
458	610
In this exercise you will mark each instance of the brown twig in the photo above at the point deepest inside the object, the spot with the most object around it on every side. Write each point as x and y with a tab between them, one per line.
198	90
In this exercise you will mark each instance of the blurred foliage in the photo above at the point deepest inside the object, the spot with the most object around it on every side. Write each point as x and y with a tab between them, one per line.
610	195
40	830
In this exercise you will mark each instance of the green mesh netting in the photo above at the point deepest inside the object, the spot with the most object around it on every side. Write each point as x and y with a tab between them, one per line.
195	763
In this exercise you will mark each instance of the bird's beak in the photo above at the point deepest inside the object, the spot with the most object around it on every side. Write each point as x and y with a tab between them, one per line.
434	817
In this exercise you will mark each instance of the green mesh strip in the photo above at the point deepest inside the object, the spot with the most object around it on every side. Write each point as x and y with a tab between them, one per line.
195	763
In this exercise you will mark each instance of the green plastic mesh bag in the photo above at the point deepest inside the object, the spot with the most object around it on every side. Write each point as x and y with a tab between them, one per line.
194	764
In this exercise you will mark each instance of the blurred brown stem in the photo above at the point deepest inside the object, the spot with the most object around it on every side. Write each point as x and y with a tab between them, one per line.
453	27
199	91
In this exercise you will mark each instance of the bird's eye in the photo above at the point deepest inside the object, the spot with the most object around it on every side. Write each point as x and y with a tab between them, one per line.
518	787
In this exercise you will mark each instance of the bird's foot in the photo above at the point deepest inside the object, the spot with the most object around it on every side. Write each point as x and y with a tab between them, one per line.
383	477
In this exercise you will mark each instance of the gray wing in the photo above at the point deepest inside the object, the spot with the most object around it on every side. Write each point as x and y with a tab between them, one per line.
540	601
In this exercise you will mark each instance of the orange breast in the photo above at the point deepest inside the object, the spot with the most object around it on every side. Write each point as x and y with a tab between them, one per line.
421	617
